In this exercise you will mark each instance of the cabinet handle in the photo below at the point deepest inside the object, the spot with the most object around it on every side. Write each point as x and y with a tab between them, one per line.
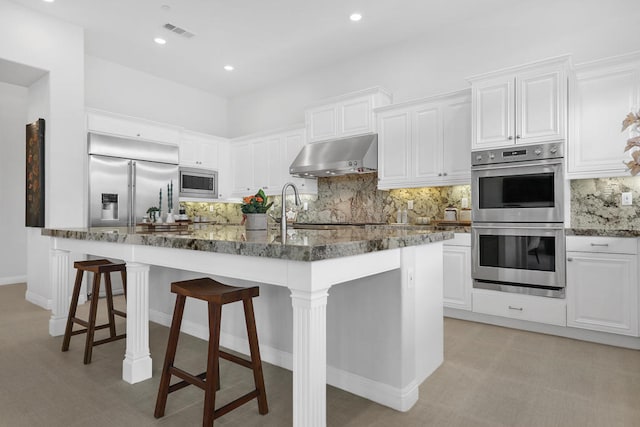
510	138
515	308
569	259
440	174
445	174
517	136
600	244
266	186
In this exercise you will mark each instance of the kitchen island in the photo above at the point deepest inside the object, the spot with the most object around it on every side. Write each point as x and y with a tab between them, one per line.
308	263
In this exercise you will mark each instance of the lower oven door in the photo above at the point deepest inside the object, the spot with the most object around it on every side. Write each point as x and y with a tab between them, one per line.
523	258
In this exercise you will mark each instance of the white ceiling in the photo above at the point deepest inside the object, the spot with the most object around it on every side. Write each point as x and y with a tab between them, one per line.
270	41
266	40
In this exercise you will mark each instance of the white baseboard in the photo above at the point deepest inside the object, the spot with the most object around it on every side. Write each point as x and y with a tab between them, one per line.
38	300
12	280
400	399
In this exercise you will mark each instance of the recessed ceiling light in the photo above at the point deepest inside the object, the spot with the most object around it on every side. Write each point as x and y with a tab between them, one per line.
229	67
160	40
355	17
49	1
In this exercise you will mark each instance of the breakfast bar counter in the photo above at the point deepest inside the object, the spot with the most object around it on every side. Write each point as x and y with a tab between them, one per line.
308	263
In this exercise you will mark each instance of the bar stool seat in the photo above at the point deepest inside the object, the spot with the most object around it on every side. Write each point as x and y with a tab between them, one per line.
98	267
216	295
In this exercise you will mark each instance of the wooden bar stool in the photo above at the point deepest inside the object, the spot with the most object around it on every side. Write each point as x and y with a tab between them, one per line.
98	267
216	294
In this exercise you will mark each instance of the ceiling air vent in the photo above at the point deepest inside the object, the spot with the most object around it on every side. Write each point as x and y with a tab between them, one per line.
179	31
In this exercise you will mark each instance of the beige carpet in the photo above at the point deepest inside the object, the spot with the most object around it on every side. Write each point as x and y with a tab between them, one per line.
492	376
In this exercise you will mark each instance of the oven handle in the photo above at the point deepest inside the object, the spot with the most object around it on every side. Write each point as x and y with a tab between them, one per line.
515	227
512	165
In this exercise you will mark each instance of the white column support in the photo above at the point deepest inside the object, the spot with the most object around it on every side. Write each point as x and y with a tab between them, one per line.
309	358
136	366
59	279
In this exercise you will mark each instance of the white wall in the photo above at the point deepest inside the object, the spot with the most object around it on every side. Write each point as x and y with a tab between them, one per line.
441	60
13	117
37	41
113	87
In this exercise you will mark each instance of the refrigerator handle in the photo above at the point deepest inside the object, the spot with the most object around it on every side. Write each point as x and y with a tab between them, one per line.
133	195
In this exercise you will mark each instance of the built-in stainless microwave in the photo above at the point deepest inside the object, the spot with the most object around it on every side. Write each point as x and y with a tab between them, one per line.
198	183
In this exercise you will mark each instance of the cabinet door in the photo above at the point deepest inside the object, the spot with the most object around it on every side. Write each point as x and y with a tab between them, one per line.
355	116
427	143
322	123
457	277
540	107
267	164
493	113
602	292
131	127
242	163
602	97
394	133
198	150
189	153
225	174
456	142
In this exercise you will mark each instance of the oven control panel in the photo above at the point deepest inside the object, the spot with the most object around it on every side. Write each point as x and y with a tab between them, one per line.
517	154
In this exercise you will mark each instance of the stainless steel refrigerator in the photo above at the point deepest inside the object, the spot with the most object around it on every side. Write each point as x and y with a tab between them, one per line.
126	177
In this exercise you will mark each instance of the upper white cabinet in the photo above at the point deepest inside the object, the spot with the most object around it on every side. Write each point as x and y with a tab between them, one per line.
107	123
520	105
425	142
200	150
602	94
347	115
262	161
602	284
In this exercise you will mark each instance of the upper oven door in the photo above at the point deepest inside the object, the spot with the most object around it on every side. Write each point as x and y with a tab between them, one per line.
528	254
518	192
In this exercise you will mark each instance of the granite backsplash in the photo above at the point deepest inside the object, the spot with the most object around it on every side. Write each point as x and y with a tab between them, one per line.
351	198
596	203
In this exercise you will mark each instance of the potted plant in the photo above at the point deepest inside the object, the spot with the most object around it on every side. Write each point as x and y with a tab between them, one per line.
254	211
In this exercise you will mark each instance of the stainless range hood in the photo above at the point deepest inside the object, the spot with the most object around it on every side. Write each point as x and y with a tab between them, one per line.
357	154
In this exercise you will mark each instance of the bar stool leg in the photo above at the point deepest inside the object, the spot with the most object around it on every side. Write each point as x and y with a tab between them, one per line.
165	379
215	315
91	326
123	274
109	291
256	363
72	310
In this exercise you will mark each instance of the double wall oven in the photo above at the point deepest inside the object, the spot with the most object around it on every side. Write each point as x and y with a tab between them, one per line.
518	242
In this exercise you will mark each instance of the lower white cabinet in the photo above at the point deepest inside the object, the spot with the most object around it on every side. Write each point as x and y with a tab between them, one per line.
522	307
457	272
602	284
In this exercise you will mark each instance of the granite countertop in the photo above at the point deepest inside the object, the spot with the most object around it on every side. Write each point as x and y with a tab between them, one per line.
603	232
301	244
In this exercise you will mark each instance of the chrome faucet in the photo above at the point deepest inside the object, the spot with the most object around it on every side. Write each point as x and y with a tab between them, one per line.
283	217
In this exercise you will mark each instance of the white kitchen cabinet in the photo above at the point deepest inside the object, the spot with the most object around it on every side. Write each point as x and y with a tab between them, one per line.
425	142
520	105
531	308
346	115
107	123
602	284
262	161
602	94
242	168
457	272
199	150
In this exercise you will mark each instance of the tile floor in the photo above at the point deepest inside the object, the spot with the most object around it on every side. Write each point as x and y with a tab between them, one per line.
491	376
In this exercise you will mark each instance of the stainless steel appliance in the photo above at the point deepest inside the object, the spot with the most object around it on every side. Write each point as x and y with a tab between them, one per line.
353	155
125	179
524	184
517	237
198	183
